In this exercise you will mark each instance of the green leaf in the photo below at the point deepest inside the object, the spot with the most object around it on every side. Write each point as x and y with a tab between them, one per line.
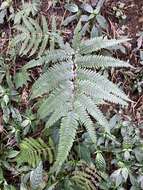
71	7
36	176
1	175
94	32
84	153
125	173
12	153
100	162
102	21
138	154
117	177
99	6
2	15
88	8
69	19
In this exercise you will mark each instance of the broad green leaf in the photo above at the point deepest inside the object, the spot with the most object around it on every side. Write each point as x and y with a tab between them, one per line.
102	21
71	7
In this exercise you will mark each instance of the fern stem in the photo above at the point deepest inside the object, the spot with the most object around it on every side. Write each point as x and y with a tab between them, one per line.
73	83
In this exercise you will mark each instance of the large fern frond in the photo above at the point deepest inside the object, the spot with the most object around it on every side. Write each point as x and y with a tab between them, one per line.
54	102
96	92
48	57
74	90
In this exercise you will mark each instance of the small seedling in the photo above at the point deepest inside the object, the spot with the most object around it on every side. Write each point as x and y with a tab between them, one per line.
119	11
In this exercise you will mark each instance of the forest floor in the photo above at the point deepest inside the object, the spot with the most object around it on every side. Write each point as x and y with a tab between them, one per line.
131	80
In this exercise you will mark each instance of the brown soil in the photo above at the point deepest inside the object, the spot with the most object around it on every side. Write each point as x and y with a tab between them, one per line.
133	10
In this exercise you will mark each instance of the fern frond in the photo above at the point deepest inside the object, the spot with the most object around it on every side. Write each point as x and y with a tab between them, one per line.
23	35
33	150
83	180
36	41
57	56
45	36
27	9
60	112
49	56
55	116
98	43
75	91
68	129
85	176
32	36
30	25
97	61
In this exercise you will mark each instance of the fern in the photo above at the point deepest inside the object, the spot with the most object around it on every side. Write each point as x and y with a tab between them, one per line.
32	151
85	177
74	90
32	36
27	9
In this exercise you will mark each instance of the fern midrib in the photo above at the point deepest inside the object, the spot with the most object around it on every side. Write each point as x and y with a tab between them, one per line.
73	82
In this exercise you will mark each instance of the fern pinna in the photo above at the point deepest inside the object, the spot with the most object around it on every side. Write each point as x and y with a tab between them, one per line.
75	90
32	151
